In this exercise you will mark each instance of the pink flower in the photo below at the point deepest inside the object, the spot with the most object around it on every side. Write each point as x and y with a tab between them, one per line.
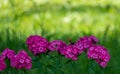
57	45
2	64
71	52
100	54
7	53
85	42
21	60
37	44
93	39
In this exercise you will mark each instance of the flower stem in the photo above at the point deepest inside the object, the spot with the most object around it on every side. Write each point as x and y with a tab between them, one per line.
59	63
101	70
24	71
74	66
90	67
41	57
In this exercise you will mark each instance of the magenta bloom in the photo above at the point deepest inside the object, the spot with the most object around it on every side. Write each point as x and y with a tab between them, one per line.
100	54
93	39
57	45
7	53
21	60
2	64
85	42
37	44
71	52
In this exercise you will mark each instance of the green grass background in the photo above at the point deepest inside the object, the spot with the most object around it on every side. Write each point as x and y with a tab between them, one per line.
62	19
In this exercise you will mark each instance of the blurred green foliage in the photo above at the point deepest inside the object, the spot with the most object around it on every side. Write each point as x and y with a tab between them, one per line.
62	19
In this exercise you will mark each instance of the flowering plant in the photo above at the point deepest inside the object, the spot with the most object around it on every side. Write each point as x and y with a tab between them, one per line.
38	45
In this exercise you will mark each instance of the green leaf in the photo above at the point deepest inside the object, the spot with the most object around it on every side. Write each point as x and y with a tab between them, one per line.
50	66
91	71
69	61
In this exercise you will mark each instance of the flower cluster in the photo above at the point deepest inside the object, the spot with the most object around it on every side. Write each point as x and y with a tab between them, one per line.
83	43
100	54
57	45
71	52
7	53
38	45
18	61
2	64
21	60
